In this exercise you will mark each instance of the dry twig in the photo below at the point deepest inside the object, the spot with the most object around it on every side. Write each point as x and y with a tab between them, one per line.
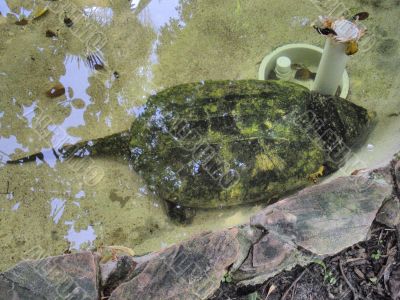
293	285
355	294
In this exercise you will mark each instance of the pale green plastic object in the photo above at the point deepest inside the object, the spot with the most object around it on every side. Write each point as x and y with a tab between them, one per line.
332	66
303	54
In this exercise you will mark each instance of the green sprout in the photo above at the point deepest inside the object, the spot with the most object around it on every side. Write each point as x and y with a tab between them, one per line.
376	255
254	296
227	278
329	277
374	280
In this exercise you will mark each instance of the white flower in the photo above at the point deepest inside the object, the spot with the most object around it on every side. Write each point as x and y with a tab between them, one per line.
347	31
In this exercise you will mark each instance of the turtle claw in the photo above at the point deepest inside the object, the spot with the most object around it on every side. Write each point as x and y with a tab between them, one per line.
314	176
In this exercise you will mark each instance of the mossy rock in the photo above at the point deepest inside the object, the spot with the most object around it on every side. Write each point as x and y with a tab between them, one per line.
224	143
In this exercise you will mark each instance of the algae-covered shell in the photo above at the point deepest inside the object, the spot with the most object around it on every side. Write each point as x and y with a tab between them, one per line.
223	143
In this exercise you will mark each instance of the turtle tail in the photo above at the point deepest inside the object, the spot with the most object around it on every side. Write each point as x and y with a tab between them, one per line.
115	144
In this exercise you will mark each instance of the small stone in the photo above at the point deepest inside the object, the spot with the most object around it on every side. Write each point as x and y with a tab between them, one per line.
56	91
68	22
99	67
359	273
78	103
21	22
50	33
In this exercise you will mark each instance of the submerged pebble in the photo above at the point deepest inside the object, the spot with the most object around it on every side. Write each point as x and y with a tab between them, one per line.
99	67
21	22
68	22
50	33
56	91
361	16
78	103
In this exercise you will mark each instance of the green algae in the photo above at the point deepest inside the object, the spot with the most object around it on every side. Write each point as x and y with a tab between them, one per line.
195	156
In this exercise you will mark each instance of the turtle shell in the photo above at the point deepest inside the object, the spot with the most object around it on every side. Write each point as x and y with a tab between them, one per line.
224	143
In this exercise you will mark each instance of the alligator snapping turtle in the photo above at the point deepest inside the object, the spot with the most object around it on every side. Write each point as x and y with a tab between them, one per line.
224	143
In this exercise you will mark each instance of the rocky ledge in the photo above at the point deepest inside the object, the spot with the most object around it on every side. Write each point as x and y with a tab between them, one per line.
315	223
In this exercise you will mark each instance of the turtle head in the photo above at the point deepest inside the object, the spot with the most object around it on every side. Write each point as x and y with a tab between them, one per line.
342	125
352	121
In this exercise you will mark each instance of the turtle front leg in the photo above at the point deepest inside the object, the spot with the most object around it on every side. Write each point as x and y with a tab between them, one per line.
179	214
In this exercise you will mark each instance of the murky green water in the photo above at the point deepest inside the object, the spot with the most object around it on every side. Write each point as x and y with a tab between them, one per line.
145	46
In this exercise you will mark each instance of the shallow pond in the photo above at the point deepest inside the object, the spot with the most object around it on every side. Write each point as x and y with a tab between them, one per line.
145	46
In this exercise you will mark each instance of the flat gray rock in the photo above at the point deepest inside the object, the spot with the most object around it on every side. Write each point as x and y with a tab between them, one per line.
327	218
72	277
191	270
